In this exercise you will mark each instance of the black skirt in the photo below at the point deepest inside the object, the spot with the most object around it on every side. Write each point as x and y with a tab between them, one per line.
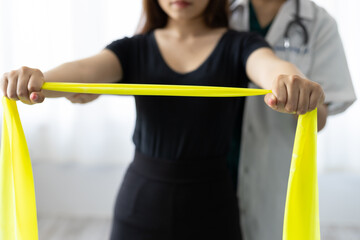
160	199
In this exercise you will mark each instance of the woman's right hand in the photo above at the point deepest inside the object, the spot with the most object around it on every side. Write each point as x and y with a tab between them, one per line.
23	84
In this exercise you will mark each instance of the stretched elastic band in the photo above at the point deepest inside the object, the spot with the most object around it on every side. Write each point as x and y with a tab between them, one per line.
18	219
154	89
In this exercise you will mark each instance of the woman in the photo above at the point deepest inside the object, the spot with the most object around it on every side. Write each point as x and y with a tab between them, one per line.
267	136
178	185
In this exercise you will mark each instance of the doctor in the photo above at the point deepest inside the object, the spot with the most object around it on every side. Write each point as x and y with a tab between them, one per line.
305	34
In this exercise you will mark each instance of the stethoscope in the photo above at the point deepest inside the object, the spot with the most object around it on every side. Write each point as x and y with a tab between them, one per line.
296	21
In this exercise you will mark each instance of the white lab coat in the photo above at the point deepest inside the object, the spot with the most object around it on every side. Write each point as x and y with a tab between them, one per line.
267	136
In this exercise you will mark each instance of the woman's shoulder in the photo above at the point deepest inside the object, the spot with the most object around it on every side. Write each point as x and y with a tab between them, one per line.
136	37
130	41
244	43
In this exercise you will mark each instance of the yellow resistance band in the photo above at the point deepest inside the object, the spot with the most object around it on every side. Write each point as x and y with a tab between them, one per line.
154	90
18	219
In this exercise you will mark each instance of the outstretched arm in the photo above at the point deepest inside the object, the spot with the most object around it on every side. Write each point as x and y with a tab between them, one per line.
25	83
292	92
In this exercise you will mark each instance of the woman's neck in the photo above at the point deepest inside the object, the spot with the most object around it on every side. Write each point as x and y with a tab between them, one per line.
270	2
187	28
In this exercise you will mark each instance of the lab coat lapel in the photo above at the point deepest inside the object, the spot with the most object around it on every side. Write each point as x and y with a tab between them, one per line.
240	22
275	36
285	15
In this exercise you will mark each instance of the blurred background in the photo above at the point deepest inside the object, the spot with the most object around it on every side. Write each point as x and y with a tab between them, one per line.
80	152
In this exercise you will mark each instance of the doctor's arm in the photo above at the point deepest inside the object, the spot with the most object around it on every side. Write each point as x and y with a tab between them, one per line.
292	92
329	66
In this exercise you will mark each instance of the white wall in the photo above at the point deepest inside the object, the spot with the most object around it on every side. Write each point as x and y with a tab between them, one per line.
338	144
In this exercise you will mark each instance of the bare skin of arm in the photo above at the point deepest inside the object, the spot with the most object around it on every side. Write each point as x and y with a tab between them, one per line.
25	83
265	13
292	92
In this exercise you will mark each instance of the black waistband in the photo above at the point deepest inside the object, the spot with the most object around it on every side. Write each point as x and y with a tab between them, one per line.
179	171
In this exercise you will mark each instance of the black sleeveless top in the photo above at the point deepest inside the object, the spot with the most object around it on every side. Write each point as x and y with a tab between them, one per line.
186	128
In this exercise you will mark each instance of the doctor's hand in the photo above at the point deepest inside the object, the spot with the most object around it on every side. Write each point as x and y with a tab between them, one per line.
23	84
294	94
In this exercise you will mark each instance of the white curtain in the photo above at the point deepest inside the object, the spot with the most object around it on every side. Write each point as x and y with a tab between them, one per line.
43	34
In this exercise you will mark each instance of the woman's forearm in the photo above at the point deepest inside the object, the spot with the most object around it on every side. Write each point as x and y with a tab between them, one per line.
264	72
101	68
292	92
26	83
67	72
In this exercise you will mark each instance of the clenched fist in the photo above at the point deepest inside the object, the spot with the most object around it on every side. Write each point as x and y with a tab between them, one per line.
294	94
23	84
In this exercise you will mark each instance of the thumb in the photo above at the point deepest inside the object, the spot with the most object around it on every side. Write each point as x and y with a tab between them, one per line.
271	100
37	97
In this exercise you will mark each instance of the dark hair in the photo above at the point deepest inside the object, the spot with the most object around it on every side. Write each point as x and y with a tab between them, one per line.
216	15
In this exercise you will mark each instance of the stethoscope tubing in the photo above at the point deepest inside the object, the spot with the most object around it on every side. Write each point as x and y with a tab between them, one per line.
296	21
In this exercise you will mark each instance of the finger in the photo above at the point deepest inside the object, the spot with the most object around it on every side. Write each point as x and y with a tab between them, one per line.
73	98
12	85
77	99
82	98
36	81
293	91
22	89
314	100
37	97
34	86
91	97
321	100
280	92
4	84
26	102
271	100
304	100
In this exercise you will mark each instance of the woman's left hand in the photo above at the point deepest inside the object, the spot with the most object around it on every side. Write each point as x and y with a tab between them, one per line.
294	94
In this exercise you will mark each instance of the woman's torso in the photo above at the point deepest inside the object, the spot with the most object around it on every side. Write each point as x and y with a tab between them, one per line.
186	128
